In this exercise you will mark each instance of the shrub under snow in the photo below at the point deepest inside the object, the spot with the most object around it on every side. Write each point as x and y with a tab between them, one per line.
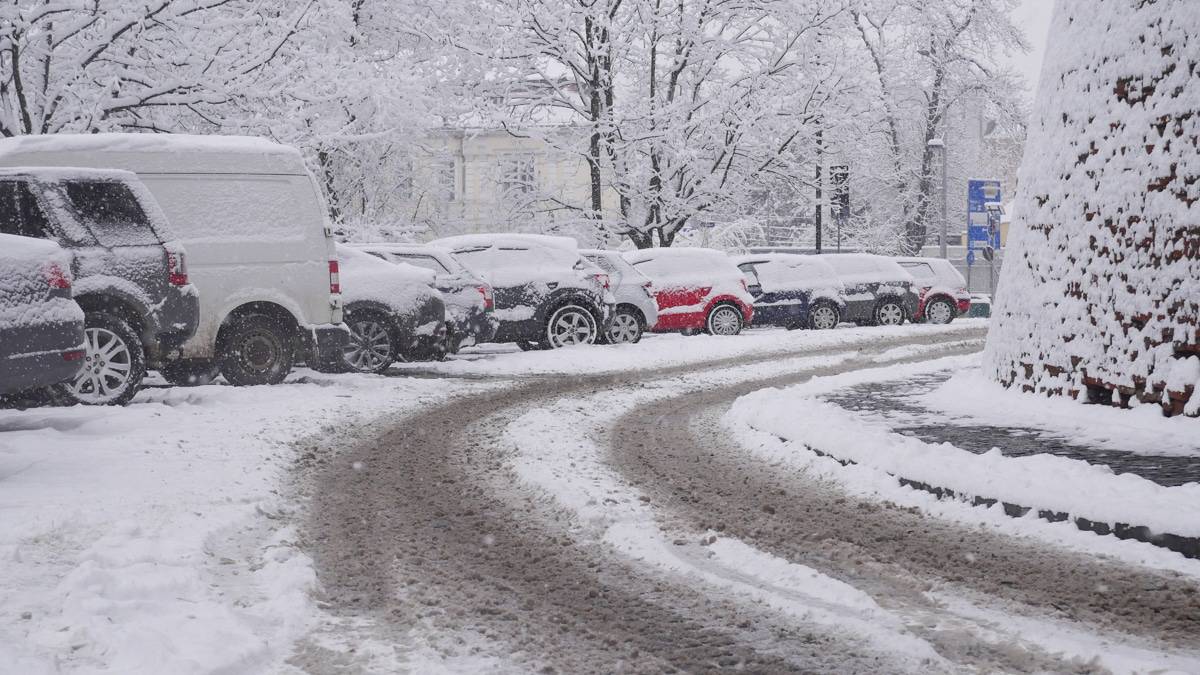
1100	292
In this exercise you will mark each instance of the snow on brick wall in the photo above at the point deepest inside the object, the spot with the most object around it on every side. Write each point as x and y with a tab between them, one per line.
1100	293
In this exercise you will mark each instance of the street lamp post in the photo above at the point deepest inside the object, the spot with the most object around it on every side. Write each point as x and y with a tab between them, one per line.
940	143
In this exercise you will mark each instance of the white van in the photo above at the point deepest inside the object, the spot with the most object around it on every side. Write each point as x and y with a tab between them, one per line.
260	248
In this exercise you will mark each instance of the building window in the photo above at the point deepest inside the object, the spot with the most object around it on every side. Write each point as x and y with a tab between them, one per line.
446	179
518	175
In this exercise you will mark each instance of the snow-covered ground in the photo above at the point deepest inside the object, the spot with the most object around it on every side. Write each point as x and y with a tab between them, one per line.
159	537
780	425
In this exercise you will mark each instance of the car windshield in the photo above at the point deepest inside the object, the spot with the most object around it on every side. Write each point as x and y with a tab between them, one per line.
111	211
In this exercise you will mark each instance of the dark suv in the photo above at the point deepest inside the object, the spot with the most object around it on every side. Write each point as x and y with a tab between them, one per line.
547	296
130	279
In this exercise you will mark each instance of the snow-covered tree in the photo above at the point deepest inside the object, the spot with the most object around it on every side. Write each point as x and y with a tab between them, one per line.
1100	291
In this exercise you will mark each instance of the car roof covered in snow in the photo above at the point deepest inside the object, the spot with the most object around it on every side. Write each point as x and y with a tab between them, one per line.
464	241
155	153
66	173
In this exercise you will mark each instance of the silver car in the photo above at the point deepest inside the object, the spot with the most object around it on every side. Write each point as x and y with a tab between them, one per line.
637	310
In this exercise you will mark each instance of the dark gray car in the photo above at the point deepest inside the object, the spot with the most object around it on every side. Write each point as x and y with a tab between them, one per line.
878	291
130	278
41	327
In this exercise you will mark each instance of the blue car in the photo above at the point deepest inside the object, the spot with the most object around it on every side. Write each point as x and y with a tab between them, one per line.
793	291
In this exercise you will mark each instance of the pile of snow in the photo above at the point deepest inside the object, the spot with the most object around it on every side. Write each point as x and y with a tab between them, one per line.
1101	286
799	416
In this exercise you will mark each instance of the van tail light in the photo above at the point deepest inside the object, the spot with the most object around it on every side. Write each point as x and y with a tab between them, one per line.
335	278
603	279
56	277
489	301
177	272
649	288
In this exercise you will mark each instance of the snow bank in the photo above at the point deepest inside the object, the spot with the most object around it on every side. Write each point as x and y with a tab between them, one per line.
1101	285
972	397
1042	481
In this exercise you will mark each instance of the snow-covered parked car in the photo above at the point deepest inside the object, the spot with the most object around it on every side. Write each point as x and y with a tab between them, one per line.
41	327
547	296
131	276
793	291
696	289
393	311
878	291
637	310
942	290
470	302
259	244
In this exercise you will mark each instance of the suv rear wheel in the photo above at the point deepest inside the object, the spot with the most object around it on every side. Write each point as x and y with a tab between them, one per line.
889	313
724	320
569	325
255	349
114	363
940	311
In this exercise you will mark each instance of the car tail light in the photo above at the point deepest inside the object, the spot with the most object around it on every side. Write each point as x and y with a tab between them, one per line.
335	279
73	355
603	280
489	302
744	286
56	276
925	290
177	272
649	288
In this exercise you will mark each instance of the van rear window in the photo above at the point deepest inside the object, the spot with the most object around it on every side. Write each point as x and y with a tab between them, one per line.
112	212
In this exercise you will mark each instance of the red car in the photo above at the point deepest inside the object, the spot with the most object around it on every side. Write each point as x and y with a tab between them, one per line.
943	290
696	289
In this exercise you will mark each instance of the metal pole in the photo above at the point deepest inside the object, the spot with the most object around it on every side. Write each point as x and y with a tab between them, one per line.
945	199
818	216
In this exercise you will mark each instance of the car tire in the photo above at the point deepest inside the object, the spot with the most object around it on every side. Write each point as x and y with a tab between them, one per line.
626	328
889	312
114	364
824	316
189	373
371	349
724	319
940	311
255	349
568	326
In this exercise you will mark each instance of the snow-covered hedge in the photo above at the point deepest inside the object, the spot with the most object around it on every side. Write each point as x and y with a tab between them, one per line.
1100	293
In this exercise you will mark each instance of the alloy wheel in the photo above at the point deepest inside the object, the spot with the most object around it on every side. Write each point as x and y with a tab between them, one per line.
890	314
724	320
625	329
939	312
571	326
824	317
108	363
370	346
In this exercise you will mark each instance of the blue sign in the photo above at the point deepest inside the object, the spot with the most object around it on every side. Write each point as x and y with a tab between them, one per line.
970	257
983	213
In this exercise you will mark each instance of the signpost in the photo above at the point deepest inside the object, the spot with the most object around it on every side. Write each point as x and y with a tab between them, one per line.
983	225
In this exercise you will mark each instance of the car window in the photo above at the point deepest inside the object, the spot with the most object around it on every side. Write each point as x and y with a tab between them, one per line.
426	261
111	211
919	270
20	213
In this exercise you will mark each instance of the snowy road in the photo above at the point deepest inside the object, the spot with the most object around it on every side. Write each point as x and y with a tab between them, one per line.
610	523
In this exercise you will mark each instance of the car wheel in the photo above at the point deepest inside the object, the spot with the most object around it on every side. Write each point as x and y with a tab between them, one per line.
724	320
626	328
824	317
370	349
114	363
889	313
569	325
255	349
189	373
939	311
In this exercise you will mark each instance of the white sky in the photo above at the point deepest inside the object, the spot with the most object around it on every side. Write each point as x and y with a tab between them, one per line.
1033	16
